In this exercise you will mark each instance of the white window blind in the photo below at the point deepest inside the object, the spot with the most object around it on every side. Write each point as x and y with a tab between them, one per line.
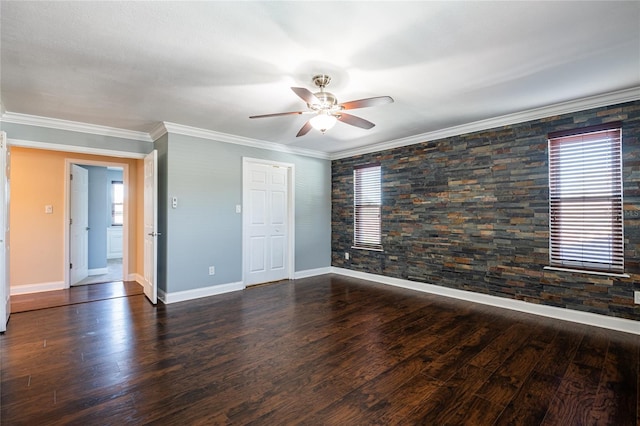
367	206
585	200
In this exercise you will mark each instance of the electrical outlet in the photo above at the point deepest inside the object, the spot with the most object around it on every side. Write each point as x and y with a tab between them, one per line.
346	255
636	297
212	270
48	209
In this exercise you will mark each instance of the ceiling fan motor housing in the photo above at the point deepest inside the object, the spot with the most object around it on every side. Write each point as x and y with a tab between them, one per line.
327	101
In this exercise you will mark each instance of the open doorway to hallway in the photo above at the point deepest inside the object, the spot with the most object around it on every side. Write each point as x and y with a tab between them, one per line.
96	219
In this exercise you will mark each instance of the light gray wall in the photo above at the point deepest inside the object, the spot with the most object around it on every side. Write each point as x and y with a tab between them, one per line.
206	176
66	137
205	230
99	219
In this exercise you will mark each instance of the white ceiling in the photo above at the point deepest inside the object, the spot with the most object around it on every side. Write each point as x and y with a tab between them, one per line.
210	65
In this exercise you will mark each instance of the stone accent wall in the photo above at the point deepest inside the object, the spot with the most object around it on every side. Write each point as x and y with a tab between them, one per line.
471	212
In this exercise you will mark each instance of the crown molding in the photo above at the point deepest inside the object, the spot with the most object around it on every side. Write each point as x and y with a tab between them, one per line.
22	143
162	128
612	98
233	139
158	131
73	126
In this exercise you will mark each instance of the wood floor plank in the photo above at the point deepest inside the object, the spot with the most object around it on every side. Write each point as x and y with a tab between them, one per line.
448	400
529	406
617	396
505	382
575	396
320	350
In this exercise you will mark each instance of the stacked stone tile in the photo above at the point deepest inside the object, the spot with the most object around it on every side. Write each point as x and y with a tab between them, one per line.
471	212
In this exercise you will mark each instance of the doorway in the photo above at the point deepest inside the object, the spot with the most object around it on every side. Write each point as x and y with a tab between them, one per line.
268	221
106	247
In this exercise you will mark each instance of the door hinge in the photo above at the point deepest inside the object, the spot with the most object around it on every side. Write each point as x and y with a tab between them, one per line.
71	266
70	221
71	176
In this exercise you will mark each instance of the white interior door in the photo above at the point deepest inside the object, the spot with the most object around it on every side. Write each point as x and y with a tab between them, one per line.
266	243
5	290
150	226
79	225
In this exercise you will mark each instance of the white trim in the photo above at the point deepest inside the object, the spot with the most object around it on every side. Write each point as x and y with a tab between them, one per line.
36	288
583	104
197	293
583	271
74	126
158	131
237	140
311	273
607	99
613	323
137	278
98	271
73	148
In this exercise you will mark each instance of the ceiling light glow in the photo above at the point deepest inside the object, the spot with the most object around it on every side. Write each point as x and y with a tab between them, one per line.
323	121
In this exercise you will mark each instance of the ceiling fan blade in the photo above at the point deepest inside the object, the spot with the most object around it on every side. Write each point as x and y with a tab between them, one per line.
355	121
305	129
368	102
278	114
306	95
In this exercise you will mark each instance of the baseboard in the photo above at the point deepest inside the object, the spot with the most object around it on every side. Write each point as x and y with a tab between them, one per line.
36	288
137	278
181	296
311	273
597	320
98	271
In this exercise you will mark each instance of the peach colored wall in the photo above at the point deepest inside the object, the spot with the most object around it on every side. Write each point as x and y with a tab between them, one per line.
37	239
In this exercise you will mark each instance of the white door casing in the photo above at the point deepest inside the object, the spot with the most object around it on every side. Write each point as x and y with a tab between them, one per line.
267	221
79	225
5	290
150	226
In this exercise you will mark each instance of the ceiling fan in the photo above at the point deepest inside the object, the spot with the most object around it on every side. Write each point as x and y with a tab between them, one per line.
326	108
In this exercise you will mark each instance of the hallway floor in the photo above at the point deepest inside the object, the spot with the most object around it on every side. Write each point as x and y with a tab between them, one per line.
74	295
115	274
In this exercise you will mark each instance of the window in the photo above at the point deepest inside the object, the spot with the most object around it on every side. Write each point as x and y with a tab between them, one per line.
117	203
367	205
585	199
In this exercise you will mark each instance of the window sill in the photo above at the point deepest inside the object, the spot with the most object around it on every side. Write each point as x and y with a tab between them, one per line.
367	248
582	271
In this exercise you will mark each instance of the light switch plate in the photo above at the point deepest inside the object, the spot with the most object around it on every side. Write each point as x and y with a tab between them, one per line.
238	208
48	209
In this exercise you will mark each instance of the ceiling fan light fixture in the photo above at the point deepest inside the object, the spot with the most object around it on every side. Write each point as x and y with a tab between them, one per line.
326	108
323	121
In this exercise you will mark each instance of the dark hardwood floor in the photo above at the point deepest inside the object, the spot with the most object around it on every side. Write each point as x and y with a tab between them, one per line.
324	350
77	294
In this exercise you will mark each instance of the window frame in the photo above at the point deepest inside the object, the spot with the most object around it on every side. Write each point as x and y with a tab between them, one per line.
590	189
367	207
